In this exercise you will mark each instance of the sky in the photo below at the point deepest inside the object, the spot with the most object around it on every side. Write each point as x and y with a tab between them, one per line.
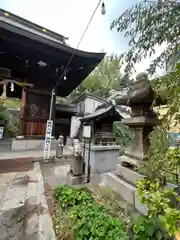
70	17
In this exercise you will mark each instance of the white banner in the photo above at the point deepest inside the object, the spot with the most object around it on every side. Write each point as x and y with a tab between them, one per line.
47	144
1	132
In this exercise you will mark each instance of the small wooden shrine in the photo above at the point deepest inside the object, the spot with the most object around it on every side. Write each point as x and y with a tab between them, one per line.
32	62
101	122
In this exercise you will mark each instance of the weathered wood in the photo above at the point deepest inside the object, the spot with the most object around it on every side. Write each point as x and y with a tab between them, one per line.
35	128
36	109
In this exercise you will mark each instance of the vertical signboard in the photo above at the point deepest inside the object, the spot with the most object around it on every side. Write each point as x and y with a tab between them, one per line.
1	132
47	144
87	135
87	132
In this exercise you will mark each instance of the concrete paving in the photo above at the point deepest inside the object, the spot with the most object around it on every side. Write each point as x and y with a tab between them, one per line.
5	182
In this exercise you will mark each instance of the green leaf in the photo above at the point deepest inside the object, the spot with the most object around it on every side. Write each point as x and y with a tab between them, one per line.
150	230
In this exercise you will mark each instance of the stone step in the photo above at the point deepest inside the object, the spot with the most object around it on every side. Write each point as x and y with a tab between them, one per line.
5	145
128	175
125	190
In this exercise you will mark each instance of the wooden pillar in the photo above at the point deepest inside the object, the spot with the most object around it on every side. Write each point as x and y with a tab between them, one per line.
23	111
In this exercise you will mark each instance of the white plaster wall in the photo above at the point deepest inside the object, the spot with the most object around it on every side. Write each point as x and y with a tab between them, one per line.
79	104
91	104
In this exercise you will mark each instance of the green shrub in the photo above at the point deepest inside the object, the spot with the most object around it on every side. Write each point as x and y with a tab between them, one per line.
84	219
92	221
123	134
11	131
162	204
144	228
4	118
69	196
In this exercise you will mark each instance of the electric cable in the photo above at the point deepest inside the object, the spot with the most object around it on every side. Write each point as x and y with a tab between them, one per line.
84	32
70	60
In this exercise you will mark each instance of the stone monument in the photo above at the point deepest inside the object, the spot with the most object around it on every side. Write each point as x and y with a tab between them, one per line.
76	173
60	146
140	98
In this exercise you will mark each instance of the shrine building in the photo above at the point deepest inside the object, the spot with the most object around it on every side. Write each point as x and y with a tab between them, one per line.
32	61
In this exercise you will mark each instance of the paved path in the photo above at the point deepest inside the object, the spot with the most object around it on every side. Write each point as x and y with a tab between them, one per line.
31	154
23	209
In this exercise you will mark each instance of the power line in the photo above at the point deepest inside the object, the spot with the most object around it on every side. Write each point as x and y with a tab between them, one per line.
71	58
84	32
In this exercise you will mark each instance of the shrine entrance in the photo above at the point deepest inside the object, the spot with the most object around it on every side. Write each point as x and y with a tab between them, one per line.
34	113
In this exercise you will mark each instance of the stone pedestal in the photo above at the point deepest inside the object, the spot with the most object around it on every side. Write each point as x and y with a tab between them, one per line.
138	149
75	180
123	182
102	158
76	165
76	174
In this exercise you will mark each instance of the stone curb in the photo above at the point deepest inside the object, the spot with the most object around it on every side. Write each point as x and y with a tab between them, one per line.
38	223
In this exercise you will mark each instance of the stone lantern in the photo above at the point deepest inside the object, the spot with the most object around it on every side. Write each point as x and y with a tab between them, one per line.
140	98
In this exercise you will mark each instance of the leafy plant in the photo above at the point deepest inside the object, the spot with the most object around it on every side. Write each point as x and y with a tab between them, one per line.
93	222
173	159
144	228
122	133
149	24
146	25
81	218
11	130
162	204
3	113
3	118
69	196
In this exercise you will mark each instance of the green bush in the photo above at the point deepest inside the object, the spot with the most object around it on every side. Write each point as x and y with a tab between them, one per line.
144	228
122	133
92	221
162	204
87	219
69	196
11	131
81	218
4	118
